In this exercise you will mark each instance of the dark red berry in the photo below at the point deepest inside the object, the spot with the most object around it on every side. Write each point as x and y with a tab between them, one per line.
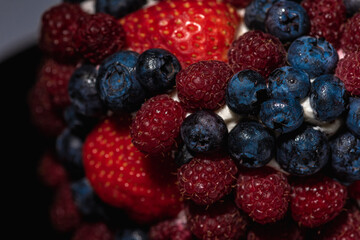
239	3
350	39
348	70
93	231
354	190
51	172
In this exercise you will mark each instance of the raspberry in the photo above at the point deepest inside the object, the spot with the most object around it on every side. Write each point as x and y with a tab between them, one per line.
316	200
354	190
348	70
326	18
206	179
93	231
51	172
156	126
98	36
202	85
59	24
257	51
221	221
263	193
239	3
350	39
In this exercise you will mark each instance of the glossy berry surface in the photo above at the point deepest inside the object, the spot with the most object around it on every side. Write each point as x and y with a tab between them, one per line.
245	92
117	85
183	155
287	20
156	70
263	194
345	157
315	56
118	8
255	13
281	114
353	117
348	70
250	144
288	82
303	152
78	124
328	97
204	131
206	180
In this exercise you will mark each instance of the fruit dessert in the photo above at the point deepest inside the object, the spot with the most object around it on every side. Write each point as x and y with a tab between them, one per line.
201	119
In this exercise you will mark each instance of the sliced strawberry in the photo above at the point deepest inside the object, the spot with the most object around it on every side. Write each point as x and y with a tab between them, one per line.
191	30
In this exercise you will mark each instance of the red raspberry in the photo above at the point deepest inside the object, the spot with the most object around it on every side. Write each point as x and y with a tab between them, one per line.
316	200
64	214
354	190
202	85
174	229
156	126
51	172
207	179
326	18
239	3
93	231
348	70
98	36
221	220
257	51
59	24
350	39
56	77
263	193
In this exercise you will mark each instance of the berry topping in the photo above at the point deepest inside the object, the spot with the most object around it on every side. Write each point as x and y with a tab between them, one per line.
263	194
117	85
257	51
156	70
222	221
354	190
316	200
207	179
303	152
203	132
250	144
348	70
50	171
192	30
315	56
245	92
350	39
202	85
93	231
255	13
353	117
156	126
131	234
287	20
282	114
118	8
352	7
239	3
79	124
286	82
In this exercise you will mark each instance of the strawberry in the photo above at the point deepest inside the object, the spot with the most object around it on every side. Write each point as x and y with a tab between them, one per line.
191	30
124	177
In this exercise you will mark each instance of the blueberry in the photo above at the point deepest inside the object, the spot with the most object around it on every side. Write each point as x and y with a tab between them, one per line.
183	156
131	234
316	56
250	144
69	151
287	20
245	92
83	92
282	114
118	8
117	84
345	153
156	70
353	117
255	13
303	152
78	124
288	82
352	7
204	131
327	97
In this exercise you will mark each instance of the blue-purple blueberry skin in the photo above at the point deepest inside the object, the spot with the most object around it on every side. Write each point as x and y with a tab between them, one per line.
345	157
250	144
118	8
117	85
316	56
328	97
282	115
245	91
83	91
288	82
255	14
79	124
156	70
303	152
353	117
183	155
204	131
352	7
287	20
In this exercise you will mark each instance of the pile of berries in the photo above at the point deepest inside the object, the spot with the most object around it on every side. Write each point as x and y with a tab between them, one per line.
170	122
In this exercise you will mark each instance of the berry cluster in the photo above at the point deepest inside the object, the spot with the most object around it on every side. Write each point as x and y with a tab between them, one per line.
169	126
